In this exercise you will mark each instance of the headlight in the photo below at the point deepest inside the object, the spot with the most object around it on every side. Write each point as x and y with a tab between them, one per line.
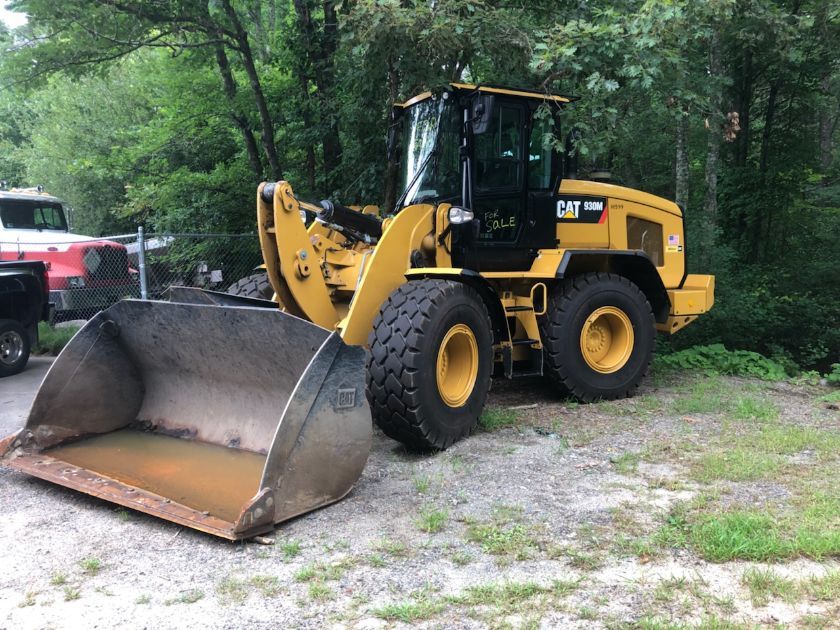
76	282
460	215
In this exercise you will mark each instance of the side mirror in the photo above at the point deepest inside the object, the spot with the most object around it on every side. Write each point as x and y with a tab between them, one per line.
571	153
481	113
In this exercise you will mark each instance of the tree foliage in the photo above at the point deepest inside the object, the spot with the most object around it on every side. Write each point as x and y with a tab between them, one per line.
168	112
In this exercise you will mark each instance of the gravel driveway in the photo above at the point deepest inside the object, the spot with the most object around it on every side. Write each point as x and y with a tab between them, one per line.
521	526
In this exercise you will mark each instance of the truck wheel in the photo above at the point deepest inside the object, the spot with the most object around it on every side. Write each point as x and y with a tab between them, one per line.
429	367
255	286
598	334
14	347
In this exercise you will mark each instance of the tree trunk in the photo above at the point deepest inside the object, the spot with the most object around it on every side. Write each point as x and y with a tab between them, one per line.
326	90
320	49
744	102
768	124
240	120
393	164
266	124
827	123
681	192
712	147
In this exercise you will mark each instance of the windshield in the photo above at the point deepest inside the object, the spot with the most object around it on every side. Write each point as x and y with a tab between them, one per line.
32	215
430	165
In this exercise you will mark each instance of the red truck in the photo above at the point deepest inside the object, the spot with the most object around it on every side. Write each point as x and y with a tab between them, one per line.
85	274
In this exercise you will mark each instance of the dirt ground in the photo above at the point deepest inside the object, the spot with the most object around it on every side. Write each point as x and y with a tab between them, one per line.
548	522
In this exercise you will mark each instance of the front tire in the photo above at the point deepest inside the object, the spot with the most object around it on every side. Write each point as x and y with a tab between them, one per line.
14	347
254	286
429	367
598	333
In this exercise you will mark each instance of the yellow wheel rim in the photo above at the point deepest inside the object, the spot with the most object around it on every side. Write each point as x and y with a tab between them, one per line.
606	340
457	365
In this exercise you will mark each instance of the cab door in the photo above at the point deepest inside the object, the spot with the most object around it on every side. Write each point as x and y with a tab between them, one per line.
505	210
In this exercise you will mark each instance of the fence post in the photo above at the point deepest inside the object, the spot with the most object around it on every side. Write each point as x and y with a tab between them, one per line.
141	261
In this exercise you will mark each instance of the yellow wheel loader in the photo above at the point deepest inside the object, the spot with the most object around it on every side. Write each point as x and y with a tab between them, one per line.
230	413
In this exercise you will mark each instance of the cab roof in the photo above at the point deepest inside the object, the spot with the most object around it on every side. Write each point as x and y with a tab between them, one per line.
27	194
496	89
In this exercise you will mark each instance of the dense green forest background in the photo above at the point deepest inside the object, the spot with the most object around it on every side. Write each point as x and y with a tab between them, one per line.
168	113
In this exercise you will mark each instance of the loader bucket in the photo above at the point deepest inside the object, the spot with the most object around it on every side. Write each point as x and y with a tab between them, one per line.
224	418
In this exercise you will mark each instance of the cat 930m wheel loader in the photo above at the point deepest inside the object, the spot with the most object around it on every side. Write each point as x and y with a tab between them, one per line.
229	414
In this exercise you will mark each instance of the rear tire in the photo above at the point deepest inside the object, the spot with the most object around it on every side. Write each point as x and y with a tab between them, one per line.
254	286
429	367
14	347
598	334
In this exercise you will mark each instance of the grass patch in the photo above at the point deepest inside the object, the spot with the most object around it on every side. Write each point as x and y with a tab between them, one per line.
432	521
703	396
789	439
52	340
28	600
394	548
324	571
752	535
290	549
142	600
494	418
187	597
765	585
91	566
58	579
626	463
232	590
416	610
513	540
376	560
304	574
320	592
503	595
825	588
735	464
461	558
422	484
751	408
71	593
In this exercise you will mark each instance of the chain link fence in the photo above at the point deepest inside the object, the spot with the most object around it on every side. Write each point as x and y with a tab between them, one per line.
87	275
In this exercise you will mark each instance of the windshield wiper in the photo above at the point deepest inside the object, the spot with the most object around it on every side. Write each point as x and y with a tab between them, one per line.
414	180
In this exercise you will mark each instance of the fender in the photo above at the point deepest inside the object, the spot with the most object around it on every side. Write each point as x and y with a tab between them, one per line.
634	265
472	278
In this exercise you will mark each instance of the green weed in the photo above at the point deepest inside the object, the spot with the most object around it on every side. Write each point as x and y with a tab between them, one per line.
290	549
71	593
432	521
409	611
494	418
91	566
735	464
765	585
58	579
52	340
232	590
750	408
626	463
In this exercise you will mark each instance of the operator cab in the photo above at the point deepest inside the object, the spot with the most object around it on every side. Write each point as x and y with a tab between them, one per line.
487	149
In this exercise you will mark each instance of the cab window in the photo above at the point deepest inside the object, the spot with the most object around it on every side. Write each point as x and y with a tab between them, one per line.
24	215
539	154
498	151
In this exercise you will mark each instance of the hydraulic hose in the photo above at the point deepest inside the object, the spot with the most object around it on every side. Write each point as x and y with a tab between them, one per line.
366	224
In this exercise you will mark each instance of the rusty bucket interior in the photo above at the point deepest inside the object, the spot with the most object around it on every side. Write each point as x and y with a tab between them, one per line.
220	413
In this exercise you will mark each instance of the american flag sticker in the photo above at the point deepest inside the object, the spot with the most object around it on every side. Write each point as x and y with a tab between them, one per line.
673	239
